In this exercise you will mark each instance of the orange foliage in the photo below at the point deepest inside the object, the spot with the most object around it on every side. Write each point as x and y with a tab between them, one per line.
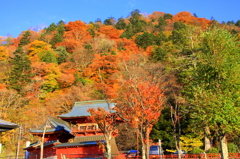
188	18
70	45
155	15
106	120
76	34
129	45
39	68
102	68
66	80
16	41
34	35
184	17
110	31
2	86
63	100
142	103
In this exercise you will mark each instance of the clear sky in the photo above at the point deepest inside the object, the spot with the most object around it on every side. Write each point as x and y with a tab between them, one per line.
20	15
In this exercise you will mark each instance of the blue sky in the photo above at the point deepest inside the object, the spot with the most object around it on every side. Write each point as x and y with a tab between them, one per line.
20	15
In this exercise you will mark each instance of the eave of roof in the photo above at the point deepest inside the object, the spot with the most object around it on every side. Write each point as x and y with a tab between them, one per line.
55	124
37	145
6	126
73	144
48	131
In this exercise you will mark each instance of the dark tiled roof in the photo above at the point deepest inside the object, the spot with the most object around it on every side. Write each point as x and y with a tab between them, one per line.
80	108
88	138
6	126
54	124
69	144
82	141
38	144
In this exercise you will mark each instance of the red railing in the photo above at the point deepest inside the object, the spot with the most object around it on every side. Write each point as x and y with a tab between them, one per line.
123	156
85	131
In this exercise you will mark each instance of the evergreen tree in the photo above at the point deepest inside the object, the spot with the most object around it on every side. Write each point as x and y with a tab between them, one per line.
128	33
161	24
51	28
238	23
159	54
20	74
137	23
49	57
167	16
144	40
109	21
163	130
121	24
160	38
25	39
56	39
62	54
60	27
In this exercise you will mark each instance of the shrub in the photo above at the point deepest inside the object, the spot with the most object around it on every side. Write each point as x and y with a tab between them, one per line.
197	151
213	150
232	148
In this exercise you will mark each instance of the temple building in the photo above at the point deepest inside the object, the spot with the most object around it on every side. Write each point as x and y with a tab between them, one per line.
72	135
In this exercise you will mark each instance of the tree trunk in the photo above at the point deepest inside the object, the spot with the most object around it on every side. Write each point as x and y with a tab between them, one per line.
207	141
143	144
224	148
19	140
147	143
143	151
175	117
108	147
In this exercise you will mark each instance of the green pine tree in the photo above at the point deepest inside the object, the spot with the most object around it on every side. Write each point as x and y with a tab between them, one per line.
25	39
20	74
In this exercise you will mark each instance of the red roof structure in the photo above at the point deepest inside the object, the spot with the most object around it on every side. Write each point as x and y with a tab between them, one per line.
72	134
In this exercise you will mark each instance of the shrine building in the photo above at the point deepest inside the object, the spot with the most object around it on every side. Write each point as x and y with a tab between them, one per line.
72	135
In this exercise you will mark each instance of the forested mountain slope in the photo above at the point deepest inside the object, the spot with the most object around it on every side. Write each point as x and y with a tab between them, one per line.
192	60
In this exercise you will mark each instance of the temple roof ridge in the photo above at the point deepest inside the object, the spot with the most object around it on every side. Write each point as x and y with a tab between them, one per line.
80	109
53	124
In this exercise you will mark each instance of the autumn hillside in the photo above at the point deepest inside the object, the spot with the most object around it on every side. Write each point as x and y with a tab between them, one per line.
43	73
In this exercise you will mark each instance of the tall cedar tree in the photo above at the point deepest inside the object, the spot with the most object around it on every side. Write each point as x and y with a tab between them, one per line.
20	71
21	66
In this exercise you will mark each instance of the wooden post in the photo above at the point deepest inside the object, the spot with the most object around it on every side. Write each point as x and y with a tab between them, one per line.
19	140
42	141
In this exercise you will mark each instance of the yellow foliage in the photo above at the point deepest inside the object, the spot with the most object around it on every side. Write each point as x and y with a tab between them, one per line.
50	80
7	136
38	49
188	143
3	53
